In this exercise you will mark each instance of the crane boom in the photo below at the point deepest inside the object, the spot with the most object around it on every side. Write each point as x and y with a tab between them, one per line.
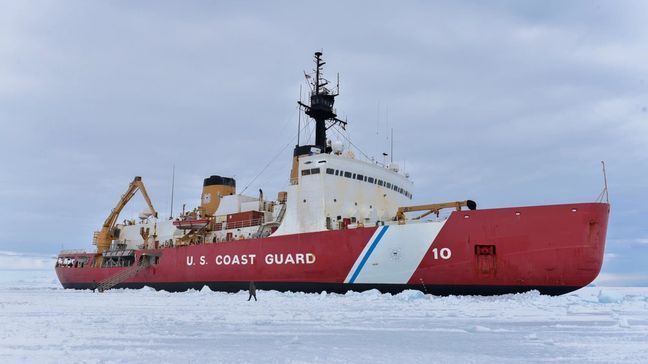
432	209
105	236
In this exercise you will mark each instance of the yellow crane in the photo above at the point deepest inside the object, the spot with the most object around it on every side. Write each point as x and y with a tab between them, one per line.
432	209
105	236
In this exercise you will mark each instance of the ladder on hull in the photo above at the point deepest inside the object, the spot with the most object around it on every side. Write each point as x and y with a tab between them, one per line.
123	275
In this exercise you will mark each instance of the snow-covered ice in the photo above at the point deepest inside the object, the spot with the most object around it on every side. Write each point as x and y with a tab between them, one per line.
41	322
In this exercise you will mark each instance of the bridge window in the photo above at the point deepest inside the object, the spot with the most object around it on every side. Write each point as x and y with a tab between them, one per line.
359	177
306	172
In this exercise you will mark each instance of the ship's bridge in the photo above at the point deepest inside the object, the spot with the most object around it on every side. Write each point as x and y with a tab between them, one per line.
332	191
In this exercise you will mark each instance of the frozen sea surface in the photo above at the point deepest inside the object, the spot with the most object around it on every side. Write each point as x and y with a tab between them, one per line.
41	322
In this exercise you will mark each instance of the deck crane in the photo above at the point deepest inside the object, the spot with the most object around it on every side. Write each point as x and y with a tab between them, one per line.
104	237
432	209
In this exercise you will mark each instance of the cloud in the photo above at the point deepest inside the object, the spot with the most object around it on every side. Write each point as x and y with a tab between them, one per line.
633	241
622	280
10	260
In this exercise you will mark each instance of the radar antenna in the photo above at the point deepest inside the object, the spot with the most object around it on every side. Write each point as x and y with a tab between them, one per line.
321	104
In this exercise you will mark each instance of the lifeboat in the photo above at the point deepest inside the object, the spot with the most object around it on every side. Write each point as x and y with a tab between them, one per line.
191	224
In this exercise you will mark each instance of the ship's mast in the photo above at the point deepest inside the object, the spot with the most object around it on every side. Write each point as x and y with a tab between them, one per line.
321	105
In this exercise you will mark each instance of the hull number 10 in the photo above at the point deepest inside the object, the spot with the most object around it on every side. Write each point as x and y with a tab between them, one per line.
443	253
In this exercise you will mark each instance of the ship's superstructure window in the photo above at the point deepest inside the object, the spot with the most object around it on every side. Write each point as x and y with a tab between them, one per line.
306	172
358	177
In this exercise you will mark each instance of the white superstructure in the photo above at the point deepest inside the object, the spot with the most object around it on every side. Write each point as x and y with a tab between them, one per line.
332	188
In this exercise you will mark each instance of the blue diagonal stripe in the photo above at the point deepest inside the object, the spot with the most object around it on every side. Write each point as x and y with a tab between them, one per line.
367	254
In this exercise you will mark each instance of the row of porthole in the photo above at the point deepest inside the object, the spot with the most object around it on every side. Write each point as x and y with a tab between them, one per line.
335	200
518	213
359	177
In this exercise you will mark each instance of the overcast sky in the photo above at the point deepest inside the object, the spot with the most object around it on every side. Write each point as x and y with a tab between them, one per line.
504	102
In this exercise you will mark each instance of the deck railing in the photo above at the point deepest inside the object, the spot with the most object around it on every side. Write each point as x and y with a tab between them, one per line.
219	226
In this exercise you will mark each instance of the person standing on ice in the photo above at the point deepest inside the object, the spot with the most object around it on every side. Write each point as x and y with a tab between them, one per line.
252	290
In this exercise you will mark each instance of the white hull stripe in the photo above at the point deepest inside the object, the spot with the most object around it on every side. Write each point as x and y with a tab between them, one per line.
392	255
367	253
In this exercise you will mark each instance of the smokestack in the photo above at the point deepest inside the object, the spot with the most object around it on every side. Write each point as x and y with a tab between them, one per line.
214	188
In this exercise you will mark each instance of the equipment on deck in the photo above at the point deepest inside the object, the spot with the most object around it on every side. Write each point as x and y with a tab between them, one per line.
104	237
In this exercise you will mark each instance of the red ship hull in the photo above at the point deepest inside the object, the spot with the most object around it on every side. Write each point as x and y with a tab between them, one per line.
554	249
